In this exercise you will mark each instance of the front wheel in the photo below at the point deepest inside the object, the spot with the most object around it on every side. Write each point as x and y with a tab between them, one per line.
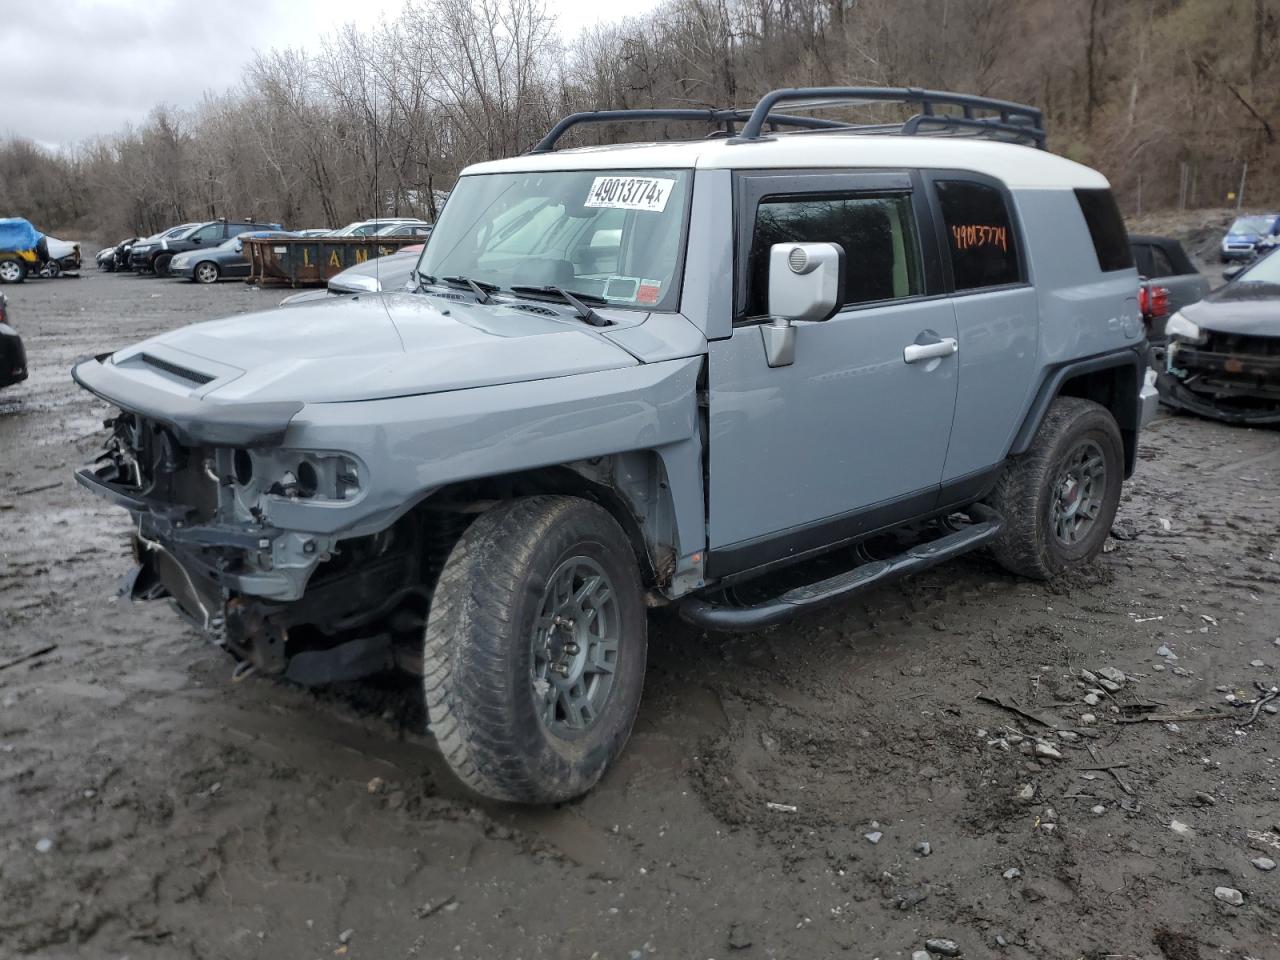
535	646
1060	498
161	264
12	271
206	272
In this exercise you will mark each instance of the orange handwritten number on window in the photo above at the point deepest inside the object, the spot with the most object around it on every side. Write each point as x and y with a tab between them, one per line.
968	236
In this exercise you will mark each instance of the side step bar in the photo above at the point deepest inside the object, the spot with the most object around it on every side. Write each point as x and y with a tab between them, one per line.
803	599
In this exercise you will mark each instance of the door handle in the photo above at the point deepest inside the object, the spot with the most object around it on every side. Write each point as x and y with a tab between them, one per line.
915	352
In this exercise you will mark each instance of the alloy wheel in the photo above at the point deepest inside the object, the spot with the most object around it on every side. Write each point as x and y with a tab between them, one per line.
574	647
1078	492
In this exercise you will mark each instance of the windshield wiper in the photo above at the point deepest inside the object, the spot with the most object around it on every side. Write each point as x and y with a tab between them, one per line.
576	300
480	288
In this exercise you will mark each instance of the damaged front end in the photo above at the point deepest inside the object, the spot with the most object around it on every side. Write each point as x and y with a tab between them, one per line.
302	604
1233	377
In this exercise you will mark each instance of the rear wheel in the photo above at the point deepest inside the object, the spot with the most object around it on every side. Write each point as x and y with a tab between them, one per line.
1060	498
206	272
161	264
12	271
535	646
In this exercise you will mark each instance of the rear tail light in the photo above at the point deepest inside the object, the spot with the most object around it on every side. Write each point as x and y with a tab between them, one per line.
1153	301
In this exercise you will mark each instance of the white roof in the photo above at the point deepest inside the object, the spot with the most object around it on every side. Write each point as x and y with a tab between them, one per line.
1017	166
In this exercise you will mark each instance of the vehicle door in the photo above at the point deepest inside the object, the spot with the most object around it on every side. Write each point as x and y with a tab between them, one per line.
207	237
234	261
852	435
998	319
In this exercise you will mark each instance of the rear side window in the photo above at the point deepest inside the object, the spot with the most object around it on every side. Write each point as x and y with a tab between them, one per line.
878	234
1110	241
980	237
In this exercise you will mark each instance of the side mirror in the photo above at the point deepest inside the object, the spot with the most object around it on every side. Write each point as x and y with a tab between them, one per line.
1232	272
806	282
239	246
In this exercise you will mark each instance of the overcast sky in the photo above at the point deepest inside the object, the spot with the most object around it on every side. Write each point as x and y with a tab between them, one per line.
88	67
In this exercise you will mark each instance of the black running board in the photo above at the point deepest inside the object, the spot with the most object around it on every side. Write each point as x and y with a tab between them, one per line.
799	600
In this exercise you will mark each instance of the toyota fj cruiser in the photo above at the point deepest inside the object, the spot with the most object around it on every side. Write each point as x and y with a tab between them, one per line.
639	375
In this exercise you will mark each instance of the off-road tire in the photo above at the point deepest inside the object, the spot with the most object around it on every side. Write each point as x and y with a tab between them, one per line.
160	265
1025	492
478	662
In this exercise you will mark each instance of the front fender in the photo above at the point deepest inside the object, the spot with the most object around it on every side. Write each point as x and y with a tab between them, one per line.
412	446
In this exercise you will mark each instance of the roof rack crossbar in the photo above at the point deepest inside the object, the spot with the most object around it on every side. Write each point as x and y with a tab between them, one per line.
1027	123
729	119
1015	131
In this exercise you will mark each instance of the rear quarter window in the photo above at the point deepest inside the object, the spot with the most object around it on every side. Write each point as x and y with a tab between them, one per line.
1106	227
980	235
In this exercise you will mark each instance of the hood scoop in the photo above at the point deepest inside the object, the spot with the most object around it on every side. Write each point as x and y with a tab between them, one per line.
176	370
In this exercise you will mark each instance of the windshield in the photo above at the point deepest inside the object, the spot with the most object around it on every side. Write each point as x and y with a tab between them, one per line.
1266	270
1252	226
615	234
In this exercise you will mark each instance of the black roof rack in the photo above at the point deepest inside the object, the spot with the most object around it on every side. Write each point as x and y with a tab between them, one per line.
728	119
1001	119
1014	121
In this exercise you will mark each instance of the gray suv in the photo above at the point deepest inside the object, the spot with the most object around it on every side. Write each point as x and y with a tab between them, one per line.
644	375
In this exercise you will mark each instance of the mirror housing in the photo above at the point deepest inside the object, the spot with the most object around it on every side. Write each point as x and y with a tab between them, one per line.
1232	272
806	280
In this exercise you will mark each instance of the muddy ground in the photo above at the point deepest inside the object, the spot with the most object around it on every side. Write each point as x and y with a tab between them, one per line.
150	807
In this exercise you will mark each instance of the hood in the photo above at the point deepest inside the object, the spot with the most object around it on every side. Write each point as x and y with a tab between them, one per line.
369	347
1252	309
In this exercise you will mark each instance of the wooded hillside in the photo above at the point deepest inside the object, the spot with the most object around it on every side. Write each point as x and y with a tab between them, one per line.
1169	98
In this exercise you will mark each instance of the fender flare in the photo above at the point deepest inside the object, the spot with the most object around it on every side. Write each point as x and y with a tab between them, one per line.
1129	417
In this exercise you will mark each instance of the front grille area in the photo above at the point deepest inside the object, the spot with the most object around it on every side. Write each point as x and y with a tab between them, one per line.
176	370
1242	344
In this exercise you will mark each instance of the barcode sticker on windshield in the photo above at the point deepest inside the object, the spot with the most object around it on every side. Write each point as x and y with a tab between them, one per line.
630	193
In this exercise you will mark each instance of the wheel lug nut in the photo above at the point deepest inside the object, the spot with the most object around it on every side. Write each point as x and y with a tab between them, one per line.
571	649
562	669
